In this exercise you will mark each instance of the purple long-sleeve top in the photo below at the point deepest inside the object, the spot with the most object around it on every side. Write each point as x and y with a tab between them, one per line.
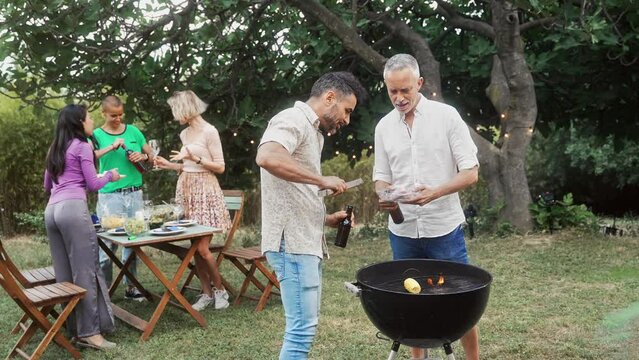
79	175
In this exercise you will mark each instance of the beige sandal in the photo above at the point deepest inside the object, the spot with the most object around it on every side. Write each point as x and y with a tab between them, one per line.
105	345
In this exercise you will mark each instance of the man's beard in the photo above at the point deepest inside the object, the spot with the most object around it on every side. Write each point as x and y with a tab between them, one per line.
331	122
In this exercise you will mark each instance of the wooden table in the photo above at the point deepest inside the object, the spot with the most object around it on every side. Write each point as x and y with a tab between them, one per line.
172	286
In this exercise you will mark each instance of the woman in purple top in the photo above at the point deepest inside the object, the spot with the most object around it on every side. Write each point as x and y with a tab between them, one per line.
72	240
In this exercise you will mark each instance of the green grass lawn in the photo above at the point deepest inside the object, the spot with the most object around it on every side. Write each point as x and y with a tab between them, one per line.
562	296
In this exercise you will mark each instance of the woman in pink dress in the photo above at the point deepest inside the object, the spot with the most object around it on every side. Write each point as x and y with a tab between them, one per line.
198	190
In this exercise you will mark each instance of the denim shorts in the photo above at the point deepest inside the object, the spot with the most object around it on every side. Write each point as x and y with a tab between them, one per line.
451	247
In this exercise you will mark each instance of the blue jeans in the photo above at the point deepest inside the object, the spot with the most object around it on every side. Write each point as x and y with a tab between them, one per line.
300	278
451	246
118	203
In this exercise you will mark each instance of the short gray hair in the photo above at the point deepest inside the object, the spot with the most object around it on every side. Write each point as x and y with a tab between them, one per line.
186	105
401	62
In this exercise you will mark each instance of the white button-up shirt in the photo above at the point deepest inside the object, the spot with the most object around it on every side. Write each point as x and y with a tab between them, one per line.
430	153
291	209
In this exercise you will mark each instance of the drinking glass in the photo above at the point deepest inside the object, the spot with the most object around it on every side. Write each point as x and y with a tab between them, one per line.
155	148
127	202
178	210
148	210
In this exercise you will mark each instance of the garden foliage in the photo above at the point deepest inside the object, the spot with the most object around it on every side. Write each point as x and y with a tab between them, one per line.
25	136
554	215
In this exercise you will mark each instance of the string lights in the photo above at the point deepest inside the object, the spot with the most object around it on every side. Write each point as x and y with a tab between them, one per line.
529	130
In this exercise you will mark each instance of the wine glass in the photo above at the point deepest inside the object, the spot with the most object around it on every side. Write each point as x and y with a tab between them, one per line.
155	148
148	210
178	210
127	202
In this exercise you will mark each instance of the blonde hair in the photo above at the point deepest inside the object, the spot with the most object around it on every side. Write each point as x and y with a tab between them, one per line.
186	105
112	101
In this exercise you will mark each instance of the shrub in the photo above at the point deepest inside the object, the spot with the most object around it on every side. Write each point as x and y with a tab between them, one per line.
363	197
374	229
554	215
32	222
25	136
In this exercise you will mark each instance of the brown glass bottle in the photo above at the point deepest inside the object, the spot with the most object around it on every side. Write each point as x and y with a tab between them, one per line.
344	228
138	165
397	215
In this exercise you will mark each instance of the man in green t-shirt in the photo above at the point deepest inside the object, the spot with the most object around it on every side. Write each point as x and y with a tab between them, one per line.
122	197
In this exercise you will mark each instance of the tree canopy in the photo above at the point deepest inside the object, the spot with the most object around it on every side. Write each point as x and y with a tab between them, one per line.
575	59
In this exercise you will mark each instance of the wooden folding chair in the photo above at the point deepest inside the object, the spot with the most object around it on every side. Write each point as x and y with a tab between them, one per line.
234	200
37	303
254	257
28	279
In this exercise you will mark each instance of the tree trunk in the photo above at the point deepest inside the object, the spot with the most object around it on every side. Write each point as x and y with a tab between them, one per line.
519	113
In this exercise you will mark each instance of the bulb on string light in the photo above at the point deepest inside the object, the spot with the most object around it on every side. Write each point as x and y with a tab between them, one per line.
434	94
252	141
353	156
234	134
502	115
370	147
478	128
530	130
337	152
506	135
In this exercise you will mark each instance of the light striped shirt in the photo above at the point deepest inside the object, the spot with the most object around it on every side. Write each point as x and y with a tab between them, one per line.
290	209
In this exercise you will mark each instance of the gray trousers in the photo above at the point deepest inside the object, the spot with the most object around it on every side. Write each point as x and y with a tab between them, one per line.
74	249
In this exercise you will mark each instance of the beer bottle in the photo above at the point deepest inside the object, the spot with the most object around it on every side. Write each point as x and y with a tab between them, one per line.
344	228
140	165
397	215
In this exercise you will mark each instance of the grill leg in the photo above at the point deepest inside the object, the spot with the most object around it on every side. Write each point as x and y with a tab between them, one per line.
449	352
394	350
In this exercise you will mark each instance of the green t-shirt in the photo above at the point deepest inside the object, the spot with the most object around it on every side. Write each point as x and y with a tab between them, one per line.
134	140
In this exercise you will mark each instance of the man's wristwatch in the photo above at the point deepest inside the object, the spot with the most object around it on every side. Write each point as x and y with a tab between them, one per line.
199	161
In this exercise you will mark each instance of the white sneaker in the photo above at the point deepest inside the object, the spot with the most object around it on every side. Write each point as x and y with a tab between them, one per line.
134	294
202	302
221	299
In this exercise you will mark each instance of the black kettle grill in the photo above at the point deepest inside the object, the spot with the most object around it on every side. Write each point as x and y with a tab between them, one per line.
438	316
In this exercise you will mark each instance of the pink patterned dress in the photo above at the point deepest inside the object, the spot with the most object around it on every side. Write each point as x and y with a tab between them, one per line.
198	189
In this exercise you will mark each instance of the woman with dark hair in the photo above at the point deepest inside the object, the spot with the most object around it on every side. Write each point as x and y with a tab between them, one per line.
74	248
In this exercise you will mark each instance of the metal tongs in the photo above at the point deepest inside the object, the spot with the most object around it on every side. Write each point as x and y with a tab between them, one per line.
349	185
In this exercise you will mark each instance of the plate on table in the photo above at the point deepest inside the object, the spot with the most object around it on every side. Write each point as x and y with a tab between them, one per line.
167	230
180	223
117	231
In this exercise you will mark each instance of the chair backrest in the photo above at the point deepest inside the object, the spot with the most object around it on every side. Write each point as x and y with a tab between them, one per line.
234	200
11	267
8	281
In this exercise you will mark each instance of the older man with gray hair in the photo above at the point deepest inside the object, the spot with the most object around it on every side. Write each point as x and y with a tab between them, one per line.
424	146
